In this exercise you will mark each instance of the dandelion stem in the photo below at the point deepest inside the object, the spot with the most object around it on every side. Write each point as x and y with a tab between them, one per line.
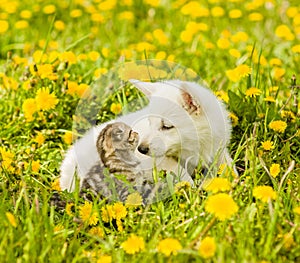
203	232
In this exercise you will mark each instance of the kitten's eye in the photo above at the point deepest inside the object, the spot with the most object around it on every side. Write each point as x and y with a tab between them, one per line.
166	126
118	131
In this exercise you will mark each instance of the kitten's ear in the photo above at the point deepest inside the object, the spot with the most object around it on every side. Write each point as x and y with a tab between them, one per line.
146	88
189	103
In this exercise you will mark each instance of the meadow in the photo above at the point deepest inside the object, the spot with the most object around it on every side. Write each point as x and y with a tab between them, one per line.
54	53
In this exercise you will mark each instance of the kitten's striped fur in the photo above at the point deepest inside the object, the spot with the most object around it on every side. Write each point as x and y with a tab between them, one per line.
116	144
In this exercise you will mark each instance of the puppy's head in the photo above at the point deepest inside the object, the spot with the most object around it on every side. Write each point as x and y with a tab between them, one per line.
168	120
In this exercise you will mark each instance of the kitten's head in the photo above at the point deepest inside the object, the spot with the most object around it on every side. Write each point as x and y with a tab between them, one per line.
117	136
123	137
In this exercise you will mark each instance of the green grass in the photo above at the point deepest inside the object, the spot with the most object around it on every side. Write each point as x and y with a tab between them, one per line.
257	232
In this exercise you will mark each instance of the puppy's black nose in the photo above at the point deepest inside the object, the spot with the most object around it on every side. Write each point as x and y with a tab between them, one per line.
144	149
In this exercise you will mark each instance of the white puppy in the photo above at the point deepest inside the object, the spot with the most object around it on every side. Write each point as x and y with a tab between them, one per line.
183	120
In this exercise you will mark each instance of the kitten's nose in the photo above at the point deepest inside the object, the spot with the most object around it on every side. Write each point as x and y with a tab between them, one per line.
143	148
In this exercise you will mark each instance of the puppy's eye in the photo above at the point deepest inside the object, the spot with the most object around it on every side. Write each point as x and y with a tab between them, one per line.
166	126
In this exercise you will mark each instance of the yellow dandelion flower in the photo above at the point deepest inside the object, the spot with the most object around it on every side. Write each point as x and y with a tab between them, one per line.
6	158
234	119
38	56
292	11
239	72
11	219
107	5
21	24
221	206
264	193
75	13
297	210
232	75
49	9
255	17
133	244
45	100
288	115
98	18
221	94
69	209
243	70
104	259
82	56
296	19
278	73
223	43
25	14
169	246
296	49
87	214
35	166
55	185
99	72
160	36
161	55
153	3
186	36
283	31
288	241
9	83
105	52
97	231
145	46
29	107
68	137
216	185
126	15
274	169
119	225
3	26
267	145
217	11
275	62
46	71
72	88
269	99
107	213
58	228
194	9
134	199
207	248
239	37
252	92
209	45
82	89
235	53
59	25
273	88
94	55
69	57
235	13
119	211
278	126
116	108
39	138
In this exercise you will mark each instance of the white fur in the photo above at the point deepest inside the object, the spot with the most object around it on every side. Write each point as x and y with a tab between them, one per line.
200	136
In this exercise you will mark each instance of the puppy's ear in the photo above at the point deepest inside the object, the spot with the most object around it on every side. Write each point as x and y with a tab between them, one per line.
147	88
189	103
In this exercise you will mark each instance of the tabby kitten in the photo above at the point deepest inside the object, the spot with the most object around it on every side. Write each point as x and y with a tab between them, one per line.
118	171
116	146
